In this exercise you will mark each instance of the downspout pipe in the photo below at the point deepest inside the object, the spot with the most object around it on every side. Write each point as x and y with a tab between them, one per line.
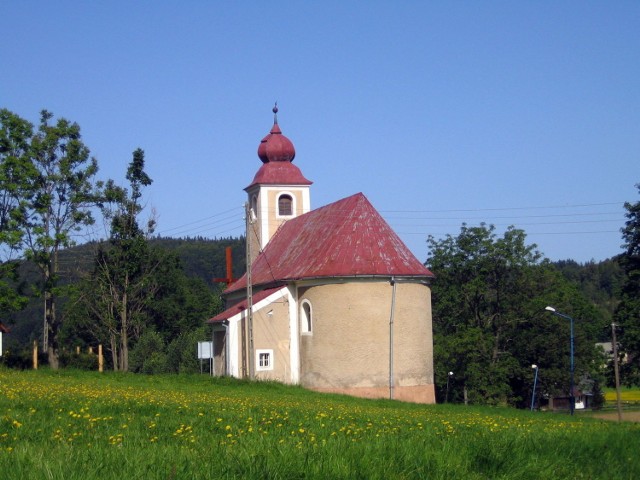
225	324
391	320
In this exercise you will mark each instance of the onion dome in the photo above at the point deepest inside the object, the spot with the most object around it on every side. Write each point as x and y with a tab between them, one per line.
276	152
275	147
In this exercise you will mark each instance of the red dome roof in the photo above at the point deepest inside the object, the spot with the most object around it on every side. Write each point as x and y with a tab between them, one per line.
275	147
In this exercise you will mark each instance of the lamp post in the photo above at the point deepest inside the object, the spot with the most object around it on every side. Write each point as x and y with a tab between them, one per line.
535	381
572	398
446	398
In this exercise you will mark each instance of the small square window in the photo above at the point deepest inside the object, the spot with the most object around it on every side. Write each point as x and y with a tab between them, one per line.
264	360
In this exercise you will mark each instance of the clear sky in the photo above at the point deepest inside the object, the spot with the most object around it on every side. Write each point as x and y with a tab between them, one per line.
505	112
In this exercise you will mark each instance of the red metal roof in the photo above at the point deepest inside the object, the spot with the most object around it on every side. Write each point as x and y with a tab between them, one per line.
242	305
275	147
347	238
276	153
279	173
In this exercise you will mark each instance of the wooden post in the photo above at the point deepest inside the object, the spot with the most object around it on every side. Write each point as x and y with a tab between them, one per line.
90	350
100	359
614	344
77	350
35	354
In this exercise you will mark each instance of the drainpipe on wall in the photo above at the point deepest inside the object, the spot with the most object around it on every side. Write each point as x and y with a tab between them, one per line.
212	360
393	310
225	324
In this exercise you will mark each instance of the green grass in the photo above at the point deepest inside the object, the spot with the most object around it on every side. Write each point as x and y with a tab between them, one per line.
77	425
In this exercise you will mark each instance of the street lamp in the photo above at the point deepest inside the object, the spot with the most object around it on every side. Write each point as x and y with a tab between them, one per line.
446	398
535	380
572	398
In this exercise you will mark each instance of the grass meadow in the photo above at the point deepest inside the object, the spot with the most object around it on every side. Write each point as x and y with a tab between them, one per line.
85	425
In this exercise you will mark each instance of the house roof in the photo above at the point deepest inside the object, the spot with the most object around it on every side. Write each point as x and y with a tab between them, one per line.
347	238
4	328
242	305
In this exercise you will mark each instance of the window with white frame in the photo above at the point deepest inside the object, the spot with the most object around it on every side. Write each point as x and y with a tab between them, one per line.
305	317
264	360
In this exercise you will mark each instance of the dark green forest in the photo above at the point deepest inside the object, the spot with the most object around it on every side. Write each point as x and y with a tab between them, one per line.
200	260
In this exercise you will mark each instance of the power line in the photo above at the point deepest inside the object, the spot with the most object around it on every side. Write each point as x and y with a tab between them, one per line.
580	205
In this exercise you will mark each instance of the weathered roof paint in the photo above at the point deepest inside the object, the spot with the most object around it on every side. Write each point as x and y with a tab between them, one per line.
242	305
276	153
279	173
347	238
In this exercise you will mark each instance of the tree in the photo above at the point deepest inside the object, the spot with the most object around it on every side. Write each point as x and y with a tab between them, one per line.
488	316
137	292
16	179
627	315
123	280
63	194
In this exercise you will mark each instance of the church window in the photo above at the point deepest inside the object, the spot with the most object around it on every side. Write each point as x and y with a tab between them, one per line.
305	318
285	205
264	360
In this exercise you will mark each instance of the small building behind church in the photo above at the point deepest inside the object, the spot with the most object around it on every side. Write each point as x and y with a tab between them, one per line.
334	301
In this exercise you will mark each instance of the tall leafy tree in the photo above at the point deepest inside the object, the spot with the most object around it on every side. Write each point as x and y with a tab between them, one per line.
16	180
488	316
64	192
627	315
124	280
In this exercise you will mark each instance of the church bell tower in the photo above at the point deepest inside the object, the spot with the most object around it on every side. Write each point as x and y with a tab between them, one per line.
279	192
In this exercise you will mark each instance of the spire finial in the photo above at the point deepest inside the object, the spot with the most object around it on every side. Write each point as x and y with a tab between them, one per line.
275	113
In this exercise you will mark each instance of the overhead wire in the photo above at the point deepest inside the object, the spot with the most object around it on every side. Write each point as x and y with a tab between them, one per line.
421	221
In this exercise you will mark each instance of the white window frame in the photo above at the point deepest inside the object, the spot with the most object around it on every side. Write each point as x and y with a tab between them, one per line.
262	366
306	321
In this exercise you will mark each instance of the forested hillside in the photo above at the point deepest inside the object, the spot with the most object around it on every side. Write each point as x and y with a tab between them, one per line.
200	259
600	282
204	258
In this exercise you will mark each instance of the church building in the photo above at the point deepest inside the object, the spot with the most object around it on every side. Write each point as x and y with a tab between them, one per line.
333	299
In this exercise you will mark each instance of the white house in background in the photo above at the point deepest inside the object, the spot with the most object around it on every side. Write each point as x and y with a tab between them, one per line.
3	330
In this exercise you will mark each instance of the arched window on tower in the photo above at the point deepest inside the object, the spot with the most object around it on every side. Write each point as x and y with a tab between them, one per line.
285	206
305	317
254	204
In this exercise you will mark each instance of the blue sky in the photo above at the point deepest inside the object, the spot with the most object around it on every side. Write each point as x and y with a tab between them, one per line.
511	113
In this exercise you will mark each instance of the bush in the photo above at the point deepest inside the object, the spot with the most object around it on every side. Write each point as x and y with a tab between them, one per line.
182	352
598	396
148	355
81	361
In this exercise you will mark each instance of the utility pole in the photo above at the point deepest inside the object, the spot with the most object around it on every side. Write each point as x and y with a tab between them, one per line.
614	344
249	221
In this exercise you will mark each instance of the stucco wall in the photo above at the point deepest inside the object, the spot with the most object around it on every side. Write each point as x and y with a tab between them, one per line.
271	332
348	350
274	220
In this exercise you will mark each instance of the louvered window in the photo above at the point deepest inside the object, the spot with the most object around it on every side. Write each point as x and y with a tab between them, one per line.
285	205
